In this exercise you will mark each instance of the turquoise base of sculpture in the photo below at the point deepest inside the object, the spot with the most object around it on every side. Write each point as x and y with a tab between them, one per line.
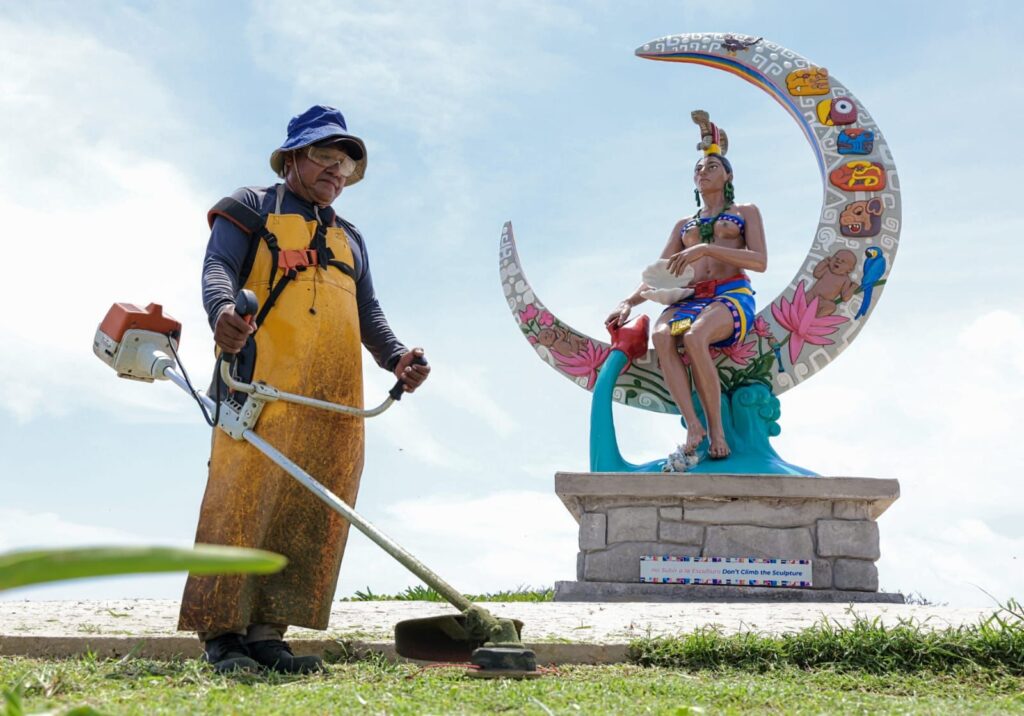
750	415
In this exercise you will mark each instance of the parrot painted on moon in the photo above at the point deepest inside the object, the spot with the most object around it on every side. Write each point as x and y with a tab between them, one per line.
874	269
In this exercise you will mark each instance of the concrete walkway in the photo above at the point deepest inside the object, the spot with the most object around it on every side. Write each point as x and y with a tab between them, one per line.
559	632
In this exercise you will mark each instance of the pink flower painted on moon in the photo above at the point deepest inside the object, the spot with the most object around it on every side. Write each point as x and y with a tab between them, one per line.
585	363
761	328
528	314
546	319
804	325
738	353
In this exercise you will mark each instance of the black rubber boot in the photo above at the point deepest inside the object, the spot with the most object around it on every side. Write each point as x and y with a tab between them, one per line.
277	655
228	653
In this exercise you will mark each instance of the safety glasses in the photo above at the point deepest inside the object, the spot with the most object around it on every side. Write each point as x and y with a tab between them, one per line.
329	156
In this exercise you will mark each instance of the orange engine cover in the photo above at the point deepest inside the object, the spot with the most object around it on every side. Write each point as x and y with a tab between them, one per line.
124	317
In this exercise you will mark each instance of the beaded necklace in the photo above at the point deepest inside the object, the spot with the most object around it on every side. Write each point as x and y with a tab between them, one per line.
706	225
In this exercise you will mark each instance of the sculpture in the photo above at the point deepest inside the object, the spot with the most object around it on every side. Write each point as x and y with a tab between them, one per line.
794	335
720	242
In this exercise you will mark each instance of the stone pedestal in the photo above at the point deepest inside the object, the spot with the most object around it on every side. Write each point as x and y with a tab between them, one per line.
622	516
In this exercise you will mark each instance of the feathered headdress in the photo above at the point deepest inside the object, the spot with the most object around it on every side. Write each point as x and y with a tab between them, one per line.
712	139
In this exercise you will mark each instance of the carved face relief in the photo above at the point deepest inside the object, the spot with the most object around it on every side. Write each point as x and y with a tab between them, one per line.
840	110
861	218
807	81
859	176
855	141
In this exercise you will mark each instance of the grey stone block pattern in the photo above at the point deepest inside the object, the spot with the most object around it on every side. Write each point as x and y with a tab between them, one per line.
821	574
856	574
621	562
848	538
680	532
593	529
620	592
850	510
765	513
829	521
628	524
767	542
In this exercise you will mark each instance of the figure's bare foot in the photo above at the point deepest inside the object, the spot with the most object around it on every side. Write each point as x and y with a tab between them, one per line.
694	435
719	448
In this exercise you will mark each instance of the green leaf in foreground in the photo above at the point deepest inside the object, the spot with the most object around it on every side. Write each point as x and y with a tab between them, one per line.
18	569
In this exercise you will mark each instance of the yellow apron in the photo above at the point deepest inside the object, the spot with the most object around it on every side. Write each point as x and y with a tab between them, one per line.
249	501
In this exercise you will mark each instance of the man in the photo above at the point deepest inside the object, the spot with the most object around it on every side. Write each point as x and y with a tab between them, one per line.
310	272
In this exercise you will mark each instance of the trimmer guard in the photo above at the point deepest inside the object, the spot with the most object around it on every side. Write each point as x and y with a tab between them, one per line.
443	638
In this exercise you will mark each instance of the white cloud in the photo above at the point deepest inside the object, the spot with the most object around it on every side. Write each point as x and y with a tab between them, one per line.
944	423
25	529
406	426
92	214
498	541
962	562
468	388
433	69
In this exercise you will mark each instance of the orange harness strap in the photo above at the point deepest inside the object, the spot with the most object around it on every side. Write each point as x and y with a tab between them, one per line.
296	259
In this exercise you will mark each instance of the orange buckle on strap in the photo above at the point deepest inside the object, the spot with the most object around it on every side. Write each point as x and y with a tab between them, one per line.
292	259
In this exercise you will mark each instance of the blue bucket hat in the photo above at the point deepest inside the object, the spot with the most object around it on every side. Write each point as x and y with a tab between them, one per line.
315	125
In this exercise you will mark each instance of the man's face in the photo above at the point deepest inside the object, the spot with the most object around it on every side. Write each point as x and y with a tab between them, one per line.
318	184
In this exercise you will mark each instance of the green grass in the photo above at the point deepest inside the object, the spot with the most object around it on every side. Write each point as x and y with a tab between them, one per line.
996	645
426	594
138	686
860	668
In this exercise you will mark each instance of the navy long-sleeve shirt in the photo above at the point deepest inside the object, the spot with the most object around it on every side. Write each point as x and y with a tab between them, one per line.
229	245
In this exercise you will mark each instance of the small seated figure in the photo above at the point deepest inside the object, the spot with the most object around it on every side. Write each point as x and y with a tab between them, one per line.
832	282
718	243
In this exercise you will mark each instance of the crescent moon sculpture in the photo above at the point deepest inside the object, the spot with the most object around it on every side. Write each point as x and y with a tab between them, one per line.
835	288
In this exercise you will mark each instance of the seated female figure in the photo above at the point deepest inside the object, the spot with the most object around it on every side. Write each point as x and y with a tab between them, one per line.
721	241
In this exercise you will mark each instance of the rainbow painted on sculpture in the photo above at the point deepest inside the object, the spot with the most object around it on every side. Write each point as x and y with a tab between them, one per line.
754	77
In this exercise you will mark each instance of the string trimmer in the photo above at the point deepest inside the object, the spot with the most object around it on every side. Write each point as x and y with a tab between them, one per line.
141	344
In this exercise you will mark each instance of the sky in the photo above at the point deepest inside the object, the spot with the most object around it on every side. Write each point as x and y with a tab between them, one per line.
121	124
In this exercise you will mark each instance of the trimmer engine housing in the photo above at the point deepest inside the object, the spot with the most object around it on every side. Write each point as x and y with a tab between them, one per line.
136	342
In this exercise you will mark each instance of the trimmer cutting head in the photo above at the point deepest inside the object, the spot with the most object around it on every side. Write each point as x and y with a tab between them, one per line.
445	638
494	650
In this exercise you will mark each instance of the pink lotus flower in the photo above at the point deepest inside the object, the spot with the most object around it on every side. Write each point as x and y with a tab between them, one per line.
585	363
528	314
738	353
546	319
800	318
761	328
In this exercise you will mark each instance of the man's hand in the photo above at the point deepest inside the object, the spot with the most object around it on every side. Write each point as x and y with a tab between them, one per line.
412	375
231	331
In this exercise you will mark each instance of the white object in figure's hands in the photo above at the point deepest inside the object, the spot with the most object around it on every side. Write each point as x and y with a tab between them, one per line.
665	287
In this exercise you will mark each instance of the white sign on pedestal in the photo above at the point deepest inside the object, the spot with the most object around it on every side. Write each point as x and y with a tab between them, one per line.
736	571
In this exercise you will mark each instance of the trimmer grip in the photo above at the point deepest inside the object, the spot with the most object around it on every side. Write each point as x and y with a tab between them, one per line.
246	305
397	390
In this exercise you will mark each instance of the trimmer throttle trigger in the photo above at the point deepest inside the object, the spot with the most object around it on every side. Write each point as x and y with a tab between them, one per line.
398	389
246	305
